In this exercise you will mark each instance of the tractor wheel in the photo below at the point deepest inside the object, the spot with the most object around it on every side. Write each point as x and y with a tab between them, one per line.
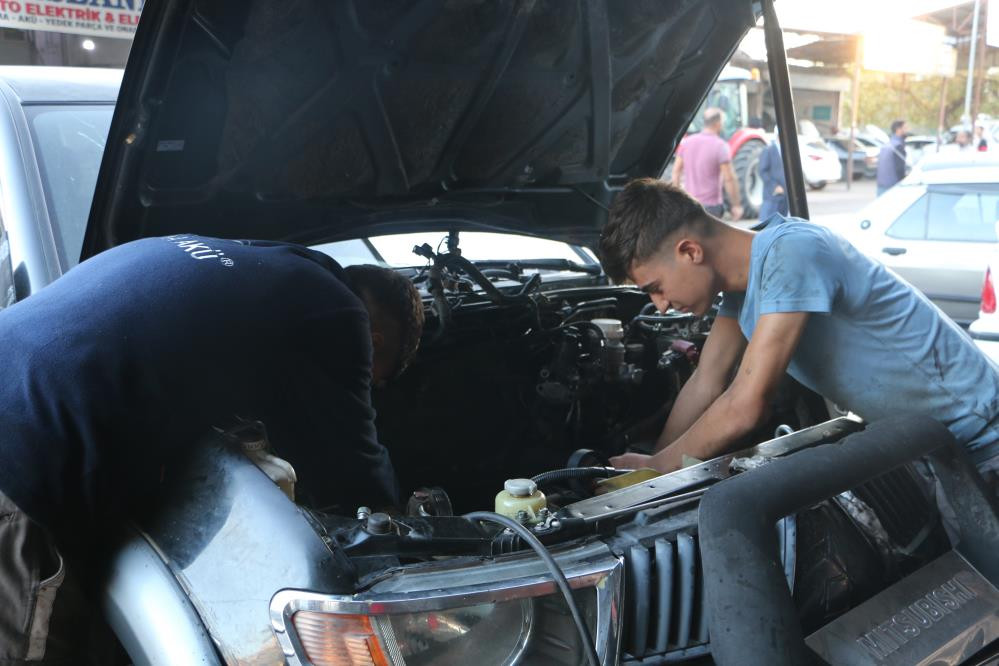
746	163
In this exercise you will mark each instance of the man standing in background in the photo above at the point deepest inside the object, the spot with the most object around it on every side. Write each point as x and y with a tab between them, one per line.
891	159
963	140
703	161
774	185
981	143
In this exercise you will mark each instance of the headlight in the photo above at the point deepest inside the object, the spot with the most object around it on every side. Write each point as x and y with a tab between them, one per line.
501	633
470	635
503	613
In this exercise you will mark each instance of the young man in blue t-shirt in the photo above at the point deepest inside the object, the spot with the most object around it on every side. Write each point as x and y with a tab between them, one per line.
799	299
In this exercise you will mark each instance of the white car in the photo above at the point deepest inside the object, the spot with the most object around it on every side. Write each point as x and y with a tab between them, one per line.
919	147
819	163
936	229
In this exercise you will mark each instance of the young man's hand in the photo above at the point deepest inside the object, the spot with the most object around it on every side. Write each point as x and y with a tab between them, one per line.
667	460
745	403
736	212
631	461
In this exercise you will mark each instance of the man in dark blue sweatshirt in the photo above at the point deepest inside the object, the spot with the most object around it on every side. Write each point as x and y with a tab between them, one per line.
121	365
774	184
891	159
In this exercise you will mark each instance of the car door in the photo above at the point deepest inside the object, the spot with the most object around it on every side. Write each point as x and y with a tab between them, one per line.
942	243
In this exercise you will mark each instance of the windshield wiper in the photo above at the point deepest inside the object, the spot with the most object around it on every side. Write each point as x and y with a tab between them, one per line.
517	266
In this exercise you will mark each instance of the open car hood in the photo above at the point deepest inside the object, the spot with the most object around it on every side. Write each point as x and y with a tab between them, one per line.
314	121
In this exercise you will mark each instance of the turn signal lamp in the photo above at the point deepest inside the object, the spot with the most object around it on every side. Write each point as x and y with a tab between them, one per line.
339	640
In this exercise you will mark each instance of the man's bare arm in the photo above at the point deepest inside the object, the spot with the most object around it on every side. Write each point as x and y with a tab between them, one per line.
744	405
720	356
674	178
732	187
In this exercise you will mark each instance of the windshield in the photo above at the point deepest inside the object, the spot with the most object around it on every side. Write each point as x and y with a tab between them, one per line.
727	96
396	250
69	143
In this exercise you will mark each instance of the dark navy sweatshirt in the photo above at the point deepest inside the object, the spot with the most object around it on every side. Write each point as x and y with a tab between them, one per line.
125	362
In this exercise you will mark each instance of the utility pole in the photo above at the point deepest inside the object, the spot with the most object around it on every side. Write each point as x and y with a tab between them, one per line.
971	63
941	126
854	103
976	98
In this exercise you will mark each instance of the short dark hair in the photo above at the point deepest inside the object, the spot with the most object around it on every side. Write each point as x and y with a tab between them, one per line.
896	124
393	298
643	214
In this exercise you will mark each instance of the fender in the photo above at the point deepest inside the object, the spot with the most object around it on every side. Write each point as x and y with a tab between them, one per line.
744	134
149	612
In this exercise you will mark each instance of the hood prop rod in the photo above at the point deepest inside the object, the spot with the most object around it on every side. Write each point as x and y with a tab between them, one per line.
780	85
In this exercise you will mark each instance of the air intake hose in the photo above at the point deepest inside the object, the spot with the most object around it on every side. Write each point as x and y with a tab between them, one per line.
752	617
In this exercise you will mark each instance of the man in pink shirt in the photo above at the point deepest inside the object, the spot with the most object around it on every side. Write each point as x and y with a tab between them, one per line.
704	161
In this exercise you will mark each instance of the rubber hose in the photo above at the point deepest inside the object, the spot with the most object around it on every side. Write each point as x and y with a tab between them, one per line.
576	473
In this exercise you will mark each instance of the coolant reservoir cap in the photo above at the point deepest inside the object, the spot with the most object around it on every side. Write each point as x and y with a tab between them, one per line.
611	328
520	487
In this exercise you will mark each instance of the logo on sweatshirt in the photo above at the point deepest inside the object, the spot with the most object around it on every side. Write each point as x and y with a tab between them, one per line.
199	250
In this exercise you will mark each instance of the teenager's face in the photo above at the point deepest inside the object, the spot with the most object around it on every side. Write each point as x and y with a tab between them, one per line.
677	277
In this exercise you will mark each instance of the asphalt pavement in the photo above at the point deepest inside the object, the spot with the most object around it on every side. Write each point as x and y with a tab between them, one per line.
834	205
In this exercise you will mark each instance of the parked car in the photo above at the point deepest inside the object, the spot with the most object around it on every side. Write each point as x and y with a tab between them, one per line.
917	147
53	125
819	162
936	229
348	126
874	134
873	139
865	157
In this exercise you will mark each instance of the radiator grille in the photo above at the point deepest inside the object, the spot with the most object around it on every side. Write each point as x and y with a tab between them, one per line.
901	505
665	618
664	609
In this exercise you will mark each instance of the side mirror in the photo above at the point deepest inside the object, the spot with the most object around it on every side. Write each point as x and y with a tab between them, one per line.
865	224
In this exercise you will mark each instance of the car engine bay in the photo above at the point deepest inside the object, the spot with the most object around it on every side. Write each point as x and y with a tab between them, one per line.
512	379
538	389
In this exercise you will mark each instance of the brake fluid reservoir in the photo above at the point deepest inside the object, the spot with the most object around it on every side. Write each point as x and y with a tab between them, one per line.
611	328
614	350
520	495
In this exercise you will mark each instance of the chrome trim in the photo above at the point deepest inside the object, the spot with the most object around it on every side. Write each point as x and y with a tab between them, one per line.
419	588
983	335
22	211
644	495
956	298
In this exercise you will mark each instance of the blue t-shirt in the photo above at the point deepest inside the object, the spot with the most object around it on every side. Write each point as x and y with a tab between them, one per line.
873	344
131	357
